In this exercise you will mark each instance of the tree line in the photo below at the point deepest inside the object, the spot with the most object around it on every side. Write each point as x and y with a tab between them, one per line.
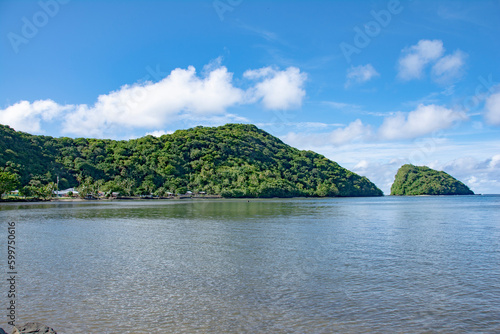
234	160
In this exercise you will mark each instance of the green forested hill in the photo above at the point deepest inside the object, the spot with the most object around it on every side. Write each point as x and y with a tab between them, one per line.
234	160
422	180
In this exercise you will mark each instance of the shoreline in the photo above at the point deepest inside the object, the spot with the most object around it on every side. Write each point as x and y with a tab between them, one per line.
207	197
130	198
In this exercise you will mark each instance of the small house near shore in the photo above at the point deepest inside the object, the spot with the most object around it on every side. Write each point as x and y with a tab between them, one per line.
66	192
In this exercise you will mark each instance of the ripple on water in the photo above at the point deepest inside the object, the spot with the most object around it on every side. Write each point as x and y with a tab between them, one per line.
324	265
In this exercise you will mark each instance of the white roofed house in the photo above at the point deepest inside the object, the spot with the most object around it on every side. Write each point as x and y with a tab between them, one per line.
66	192
15	192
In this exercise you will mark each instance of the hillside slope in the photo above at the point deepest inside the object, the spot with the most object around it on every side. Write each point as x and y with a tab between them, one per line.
234	160
422	180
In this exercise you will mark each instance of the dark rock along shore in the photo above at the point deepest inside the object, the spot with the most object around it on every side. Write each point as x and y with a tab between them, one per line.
31	328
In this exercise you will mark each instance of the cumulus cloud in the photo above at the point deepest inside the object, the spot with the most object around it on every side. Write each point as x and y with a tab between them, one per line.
26	116
416	57
449	68
423	120
182	95
479	175
445	69
278	90
360	74
354	131
149	104
426	119
492	109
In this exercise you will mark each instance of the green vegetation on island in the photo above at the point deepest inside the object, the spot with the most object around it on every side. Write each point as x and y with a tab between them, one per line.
234	160
421	180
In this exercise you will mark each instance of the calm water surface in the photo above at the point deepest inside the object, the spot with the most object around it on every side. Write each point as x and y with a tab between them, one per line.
349	265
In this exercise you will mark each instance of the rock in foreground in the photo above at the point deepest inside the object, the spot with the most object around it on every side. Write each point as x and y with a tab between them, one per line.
413	180
33	328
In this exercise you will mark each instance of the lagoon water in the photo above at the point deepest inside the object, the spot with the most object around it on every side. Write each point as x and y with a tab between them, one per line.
339	265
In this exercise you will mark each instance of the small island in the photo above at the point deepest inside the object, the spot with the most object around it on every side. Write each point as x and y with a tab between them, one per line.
413	180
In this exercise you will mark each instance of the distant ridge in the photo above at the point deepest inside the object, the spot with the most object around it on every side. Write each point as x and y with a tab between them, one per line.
422	180
234	160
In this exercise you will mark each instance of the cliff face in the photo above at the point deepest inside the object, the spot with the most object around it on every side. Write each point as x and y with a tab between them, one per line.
234	160
422	180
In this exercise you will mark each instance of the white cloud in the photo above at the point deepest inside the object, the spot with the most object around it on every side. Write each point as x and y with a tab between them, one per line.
363	164
424	120
416	57
360	74
26	116
446	69
354	131
480	175
182	95
159	133
494	163
278	90
492	109
149	105
449	68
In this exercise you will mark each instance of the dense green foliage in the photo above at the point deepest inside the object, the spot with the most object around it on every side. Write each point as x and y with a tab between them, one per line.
8	181
234	160
416	180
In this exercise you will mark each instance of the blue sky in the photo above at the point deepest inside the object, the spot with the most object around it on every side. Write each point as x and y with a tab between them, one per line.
369	84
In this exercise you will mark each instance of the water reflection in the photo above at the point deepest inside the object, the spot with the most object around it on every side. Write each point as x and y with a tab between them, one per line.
261	266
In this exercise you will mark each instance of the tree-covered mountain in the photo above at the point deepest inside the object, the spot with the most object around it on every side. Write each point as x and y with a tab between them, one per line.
234	160
422	180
